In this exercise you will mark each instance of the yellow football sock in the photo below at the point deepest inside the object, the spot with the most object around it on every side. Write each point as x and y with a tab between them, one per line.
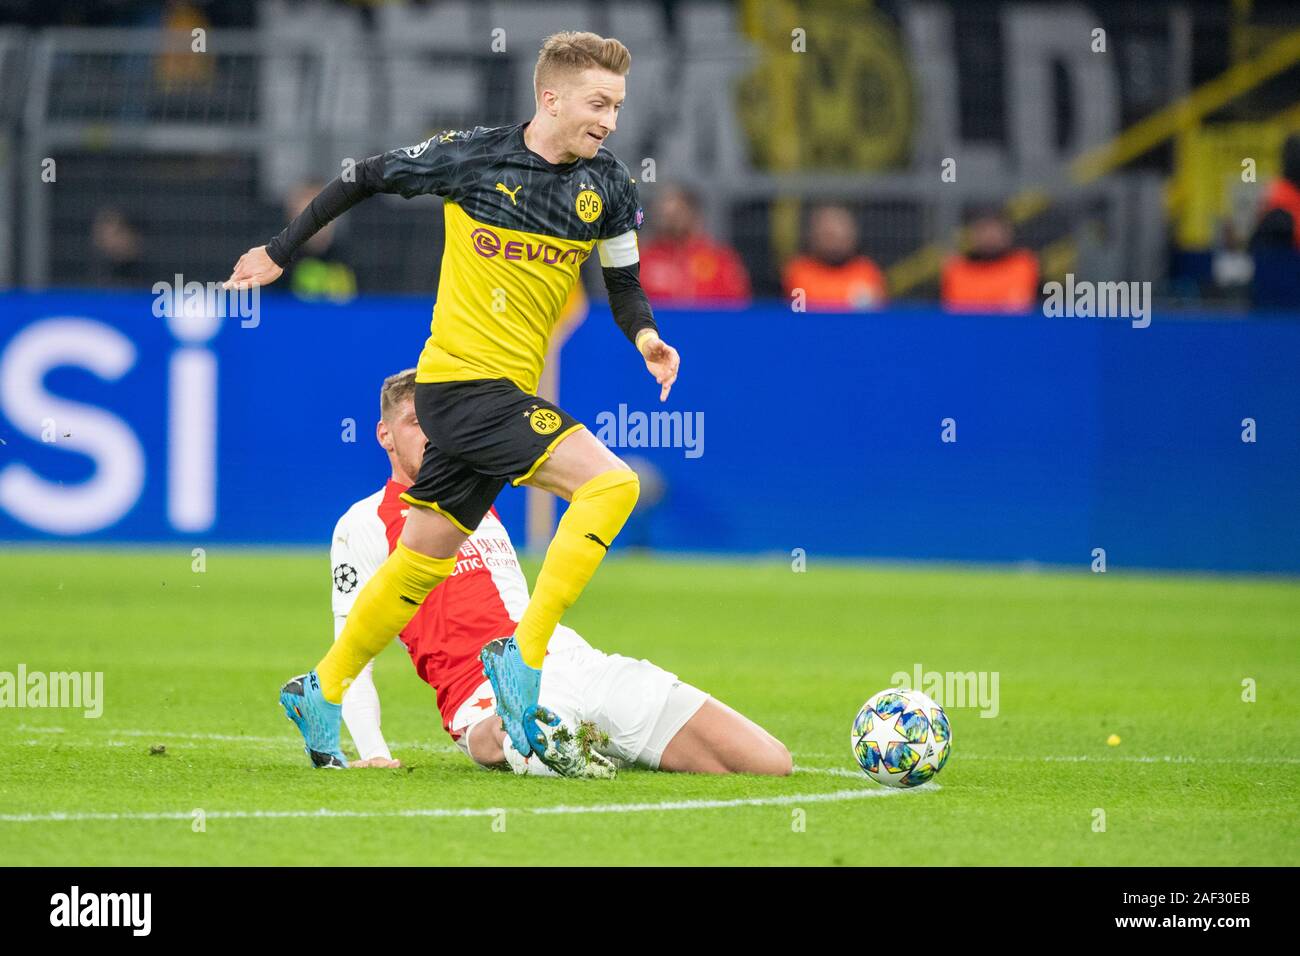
385	605
595	517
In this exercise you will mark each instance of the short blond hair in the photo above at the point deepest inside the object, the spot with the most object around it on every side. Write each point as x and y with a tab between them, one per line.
397	389
573	52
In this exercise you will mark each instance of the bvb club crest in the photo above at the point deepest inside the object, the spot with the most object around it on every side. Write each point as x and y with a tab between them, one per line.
544	421
588	206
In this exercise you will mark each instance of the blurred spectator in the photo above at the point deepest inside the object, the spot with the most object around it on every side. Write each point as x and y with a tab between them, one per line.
991	275
321	269
1279	222
116	250
179	66
682	265
1276	240
833	274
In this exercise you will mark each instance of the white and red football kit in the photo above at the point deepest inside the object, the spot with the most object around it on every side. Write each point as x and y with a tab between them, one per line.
641	706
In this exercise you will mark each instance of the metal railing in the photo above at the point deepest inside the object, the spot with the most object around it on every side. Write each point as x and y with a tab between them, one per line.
199	148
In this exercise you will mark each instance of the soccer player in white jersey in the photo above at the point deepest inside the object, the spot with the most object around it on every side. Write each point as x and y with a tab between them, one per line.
652	719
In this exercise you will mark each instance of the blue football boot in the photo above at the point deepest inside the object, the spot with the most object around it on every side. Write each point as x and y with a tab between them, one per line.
515	685
316	719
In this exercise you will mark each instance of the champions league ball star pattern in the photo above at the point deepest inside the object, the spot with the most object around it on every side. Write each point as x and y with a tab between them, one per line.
901	738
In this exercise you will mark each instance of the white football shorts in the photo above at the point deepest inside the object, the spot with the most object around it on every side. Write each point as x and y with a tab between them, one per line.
639	704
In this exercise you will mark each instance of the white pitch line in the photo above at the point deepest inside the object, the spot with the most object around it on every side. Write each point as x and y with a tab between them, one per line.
858	793
1125	758
833	796
1094	758
833	772
397	745
179	735
226	738
452	748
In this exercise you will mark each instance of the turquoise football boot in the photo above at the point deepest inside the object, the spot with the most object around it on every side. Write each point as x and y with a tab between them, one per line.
515	685
316	719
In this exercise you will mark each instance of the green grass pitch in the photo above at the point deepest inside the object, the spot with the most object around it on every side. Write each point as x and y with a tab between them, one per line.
192	662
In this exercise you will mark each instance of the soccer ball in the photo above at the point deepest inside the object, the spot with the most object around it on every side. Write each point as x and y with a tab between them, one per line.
901	738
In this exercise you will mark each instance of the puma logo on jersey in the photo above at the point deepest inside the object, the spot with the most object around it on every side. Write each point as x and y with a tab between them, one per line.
591	537
501	187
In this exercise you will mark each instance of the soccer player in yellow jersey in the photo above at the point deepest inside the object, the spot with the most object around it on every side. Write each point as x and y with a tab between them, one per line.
524	206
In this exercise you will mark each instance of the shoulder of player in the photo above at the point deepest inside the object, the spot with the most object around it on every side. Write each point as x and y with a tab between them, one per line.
481	140
454	142
609	165
485	133
362	512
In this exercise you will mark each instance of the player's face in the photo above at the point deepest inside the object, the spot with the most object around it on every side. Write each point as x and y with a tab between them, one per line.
403	438
588	110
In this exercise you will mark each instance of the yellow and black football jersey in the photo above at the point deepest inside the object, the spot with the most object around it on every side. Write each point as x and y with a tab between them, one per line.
517	230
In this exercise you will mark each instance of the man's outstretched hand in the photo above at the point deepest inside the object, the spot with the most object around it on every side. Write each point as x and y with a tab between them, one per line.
254	268
661	360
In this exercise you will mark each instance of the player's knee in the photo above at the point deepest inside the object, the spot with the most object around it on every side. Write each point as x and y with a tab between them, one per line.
627	493
774	761
782	762
485	747
620	487
415	574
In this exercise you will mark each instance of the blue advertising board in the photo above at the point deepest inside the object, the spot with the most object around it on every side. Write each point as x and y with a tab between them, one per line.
906	433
